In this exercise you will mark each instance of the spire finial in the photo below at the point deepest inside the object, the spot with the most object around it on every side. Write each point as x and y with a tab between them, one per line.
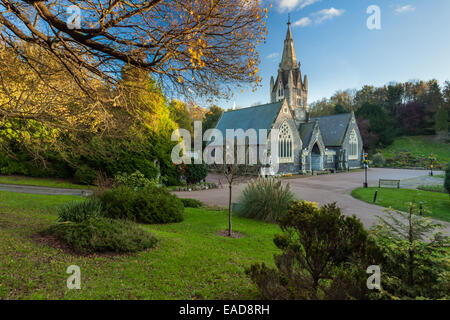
289	19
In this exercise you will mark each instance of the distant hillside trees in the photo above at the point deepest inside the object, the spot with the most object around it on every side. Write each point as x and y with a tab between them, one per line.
411	117
409	108
381	123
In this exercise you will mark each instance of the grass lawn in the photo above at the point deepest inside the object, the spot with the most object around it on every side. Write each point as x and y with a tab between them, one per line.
420	146
437	204
190	261
42	182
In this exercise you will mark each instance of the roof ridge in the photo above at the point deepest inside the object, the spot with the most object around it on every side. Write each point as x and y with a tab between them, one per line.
259	105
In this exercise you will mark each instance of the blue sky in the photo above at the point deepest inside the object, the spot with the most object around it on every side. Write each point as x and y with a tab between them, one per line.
337	50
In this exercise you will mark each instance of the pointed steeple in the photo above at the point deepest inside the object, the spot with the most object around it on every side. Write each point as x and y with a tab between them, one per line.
289	60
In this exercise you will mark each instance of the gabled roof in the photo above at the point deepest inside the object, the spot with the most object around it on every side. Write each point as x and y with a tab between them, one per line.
306	131
256	117
333	128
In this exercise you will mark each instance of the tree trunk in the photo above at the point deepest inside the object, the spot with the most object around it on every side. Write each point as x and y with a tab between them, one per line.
229	212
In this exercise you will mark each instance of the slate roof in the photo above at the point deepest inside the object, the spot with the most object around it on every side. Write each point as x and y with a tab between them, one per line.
256	117
333	128
306	130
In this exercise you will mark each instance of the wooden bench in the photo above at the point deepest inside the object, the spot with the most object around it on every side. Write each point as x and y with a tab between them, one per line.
389	182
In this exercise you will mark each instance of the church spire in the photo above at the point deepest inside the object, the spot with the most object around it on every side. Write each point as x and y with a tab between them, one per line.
289	60
288	33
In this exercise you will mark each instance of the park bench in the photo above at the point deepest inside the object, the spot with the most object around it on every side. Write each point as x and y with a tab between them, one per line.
389	183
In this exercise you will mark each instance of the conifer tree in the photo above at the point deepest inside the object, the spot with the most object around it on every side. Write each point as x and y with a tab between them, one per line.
416	255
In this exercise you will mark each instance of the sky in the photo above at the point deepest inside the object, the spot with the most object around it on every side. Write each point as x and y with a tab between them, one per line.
338	51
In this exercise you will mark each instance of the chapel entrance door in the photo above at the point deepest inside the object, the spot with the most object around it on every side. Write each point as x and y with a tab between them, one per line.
316	159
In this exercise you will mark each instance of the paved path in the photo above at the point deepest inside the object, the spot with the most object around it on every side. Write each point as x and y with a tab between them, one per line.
322	189
44	190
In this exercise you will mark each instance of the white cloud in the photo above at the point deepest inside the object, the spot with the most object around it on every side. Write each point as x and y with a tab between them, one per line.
327	14
405	9
273	55
306	3
289	5
303	22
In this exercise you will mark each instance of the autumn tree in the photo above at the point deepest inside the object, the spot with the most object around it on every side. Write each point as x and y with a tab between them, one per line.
344	99
194	46
323	107
42	107
62	81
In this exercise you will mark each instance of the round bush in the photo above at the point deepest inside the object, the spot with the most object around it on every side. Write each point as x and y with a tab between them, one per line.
103	235
265	199
135	180
147	205
191	203
78	211
194	173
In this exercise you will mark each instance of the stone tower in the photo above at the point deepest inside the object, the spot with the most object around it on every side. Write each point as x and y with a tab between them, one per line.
289	84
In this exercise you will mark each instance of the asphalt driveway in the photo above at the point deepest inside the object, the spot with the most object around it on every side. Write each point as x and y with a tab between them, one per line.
322	189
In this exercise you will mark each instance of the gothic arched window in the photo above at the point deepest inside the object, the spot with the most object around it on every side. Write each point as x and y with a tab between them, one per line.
280	90
285	145
353	145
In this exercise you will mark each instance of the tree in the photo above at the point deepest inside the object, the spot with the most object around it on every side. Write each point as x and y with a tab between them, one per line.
344	99
381	124
339	109
365	95
212	117
200	46
41	107
410	117
194	173
370	140
233	173
441	121
180	114
446	95
394	97
234	169
433	100
322	107
415	255
324	255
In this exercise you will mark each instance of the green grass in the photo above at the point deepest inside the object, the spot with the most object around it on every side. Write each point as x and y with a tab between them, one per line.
420	146
434	188
436	204
42	182
190	261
